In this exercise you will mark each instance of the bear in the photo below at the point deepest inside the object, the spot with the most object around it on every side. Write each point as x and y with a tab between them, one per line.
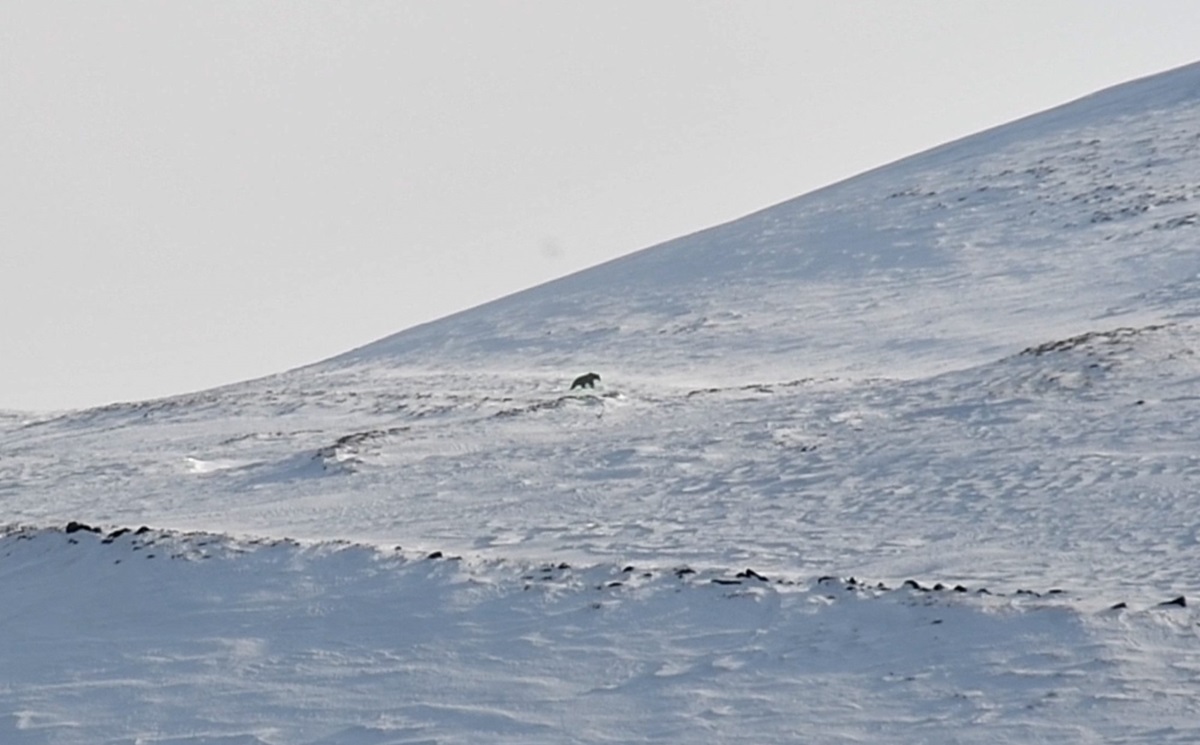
585	381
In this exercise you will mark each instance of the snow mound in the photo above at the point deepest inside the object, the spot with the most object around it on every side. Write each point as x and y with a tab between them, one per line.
208	639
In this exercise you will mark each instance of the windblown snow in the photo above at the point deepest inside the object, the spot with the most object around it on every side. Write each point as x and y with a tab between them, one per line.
910	459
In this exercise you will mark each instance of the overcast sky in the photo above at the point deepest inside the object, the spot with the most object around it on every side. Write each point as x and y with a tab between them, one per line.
197	193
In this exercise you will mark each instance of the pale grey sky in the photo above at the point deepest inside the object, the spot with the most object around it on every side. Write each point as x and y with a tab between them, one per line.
198	193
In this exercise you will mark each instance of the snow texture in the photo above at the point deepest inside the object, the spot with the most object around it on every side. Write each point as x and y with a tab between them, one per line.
910	459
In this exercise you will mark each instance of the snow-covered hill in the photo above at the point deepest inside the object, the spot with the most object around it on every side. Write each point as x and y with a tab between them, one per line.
951	258
973	370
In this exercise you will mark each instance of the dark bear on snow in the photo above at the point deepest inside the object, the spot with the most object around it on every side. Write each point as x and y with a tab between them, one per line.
585	381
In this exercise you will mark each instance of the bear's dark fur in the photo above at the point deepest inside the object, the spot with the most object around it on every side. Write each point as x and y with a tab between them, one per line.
585	381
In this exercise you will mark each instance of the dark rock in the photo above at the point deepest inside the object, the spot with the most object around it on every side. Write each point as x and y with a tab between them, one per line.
74	527
1119	606
719	581
680	572
914	585
751	574
627	570
960	588
939	587
1180	601
142	530
435	555
116	534
615	584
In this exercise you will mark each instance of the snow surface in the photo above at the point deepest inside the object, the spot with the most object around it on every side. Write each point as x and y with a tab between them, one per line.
872	465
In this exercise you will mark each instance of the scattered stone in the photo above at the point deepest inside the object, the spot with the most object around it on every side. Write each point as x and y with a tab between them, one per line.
1119	606
434	555
142	530
1180	601
116	534
680	572
751	574
720	581
74	527
939	587
627	569
960	588
912	583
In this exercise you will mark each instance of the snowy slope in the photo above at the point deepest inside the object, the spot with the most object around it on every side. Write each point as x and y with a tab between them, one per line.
950	258
972	368
167	638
